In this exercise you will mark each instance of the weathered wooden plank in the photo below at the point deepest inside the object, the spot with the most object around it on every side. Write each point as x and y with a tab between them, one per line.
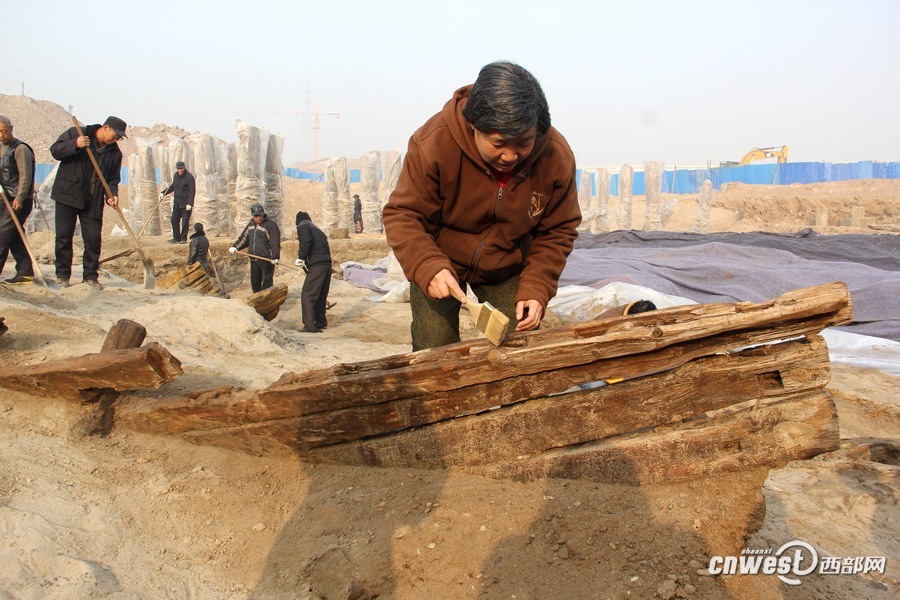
583	416
286	400
558	348
764	433
135	368
268	302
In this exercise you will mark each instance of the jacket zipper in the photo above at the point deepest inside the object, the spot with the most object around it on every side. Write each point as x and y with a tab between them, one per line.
477	254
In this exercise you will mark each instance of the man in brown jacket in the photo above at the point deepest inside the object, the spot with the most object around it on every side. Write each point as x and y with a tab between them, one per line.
486	197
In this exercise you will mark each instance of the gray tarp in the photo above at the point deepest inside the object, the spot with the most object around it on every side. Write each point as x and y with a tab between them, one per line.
750	267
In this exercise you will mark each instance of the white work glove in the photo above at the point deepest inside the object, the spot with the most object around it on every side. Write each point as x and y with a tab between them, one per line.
188	207
232	250
274	261
299	262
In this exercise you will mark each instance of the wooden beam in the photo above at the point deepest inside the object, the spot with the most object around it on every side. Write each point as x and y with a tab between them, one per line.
136	368
355	401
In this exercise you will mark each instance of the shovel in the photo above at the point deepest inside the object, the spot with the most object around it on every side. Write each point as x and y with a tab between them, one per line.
149	271
39	275
280	264
216	272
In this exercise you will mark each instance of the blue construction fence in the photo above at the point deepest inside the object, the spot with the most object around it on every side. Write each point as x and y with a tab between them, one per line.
688	180
682	181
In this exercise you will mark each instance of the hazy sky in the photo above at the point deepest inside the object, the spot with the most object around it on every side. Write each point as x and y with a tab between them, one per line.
627	81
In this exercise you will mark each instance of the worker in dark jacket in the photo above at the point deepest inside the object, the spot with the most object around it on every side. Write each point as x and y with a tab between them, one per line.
80	195
17	178
184	188
313	253
199	248
262	238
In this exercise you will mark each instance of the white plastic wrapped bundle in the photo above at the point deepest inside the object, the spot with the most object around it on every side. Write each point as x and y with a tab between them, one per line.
205	149
337	178
600	215
653	172
390	174
584	198
703	208
43	216
226	165
164	172
623	212
274	188
370	177
250	183
144	215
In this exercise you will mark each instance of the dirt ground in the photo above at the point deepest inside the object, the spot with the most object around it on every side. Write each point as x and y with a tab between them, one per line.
137	516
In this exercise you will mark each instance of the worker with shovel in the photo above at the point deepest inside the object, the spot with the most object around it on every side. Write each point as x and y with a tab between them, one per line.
80	194
487	197
262	238
17	178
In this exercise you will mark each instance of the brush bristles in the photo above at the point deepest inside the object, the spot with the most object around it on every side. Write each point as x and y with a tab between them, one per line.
496	324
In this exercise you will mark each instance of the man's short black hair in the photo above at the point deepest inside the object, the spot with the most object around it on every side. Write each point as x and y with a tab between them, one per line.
507	99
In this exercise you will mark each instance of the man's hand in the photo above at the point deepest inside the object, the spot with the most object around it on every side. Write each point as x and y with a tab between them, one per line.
82	141
188	207
232	250
113	202
299	262
528	314
274	261
445	285
16	205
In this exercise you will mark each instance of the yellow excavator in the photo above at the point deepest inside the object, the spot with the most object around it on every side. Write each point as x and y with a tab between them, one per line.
781	153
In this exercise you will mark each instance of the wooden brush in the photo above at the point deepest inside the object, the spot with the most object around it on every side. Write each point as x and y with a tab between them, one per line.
489	321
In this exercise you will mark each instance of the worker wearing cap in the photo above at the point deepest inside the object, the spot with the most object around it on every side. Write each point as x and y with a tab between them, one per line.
184	188
262	238
79	194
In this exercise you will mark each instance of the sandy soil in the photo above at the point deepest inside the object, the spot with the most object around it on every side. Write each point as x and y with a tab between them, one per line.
135	516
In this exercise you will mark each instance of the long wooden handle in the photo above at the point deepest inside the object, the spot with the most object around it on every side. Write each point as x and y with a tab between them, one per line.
149	270
280	264
12	213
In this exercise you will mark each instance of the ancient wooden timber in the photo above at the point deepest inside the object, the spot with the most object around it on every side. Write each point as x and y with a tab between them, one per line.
677	393
122	364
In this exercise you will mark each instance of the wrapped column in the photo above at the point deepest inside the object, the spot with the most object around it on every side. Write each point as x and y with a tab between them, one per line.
653	172
584	199
704	207
600	216
390	174
205	149
250	184
623	211
144	214
274	187
369	179
43	217
226	165
337	179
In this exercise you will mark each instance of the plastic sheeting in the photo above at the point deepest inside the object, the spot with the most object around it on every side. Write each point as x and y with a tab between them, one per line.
143	217
749	267
623	184
370	177
337	192
205	149
43	216
250	183
226	164
274	188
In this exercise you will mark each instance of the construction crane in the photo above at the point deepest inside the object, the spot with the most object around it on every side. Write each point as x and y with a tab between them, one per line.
317	115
